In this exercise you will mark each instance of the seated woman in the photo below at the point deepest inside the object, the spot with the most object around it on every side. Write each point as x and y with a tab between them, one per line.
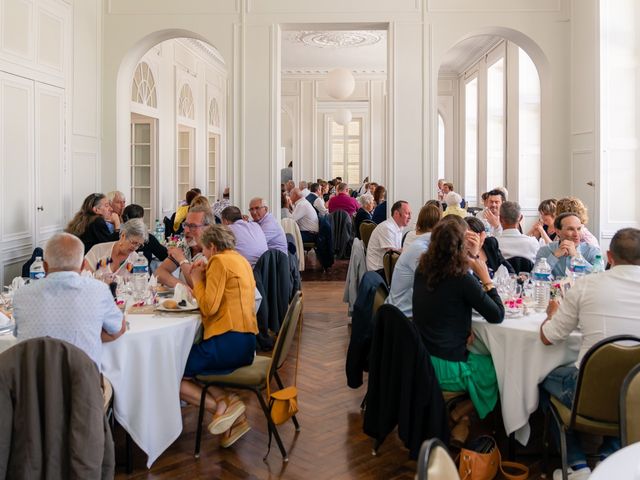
152	247
444	293
224	288
489	250
183	209
453	200
543	228
380	212
114	257
575	205
90	223
364	212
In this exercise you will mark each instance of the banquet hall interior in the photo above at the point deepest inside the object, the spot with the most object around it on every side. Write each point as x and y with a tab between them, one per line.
154	97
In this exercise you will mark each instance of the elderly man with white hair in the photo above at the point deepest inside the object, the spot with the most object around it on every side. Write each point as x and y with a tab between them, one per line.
273	232
304	188
364	213
117	201
452	199
65	305
305	216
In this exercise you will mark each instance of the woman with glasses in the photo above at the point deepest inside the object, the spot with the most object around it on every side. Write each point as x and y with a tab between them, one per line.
90	223
115	257
225	289
152	248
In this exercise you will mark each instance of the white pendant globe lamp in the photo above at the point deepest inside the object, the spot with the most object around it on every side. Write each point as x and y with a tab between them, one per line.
342	116
340	83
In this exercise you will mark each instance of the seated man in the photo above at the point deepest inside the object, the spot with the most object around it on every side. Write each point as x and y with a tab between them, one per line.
250	240
387	236
305	216
315	198
273	232
559	252
65	305
220	205
512	242
492	211
304	191
600	306
181	257
117	201
343	201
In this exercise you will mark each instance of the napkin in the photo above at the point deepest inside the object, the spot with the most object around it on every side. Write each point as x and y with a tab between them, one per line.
153	281
182	293
17	282
501	277
4	320
86	273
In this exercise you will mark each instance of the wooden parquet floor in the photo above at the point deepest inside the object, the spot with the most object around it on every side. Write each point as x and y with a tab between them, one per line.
330	445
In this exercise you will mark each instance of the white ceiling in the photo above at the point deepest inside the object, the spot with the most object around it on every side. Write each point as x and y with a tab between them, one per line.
307	51
462	55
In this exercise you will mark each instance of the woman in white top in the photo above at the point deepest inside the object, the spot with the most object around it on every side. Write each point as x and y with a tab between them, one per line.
430	214
113	257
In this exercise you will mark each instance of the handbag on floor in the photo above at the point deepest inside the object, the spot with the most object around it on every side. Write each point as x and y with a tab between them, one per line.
482	460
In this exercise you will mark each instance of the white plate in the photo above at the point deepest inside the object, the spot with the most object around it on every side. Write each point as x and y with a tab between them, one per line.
188	308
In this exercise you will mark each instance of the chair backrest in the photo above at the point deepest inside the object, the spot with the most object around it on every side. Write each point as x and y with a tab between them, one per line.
630	408
602	372
366	229
520	264
435	463
287	332
474	210
382	292
389	263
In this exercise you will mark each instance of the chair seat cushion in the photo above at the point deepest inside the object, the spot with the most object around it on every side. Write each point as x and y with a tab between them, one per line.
251	375
584	424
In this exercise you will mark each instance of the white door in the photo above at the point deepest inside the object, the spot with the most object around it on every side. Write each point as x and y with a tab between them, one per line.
49	161
17	237
143	161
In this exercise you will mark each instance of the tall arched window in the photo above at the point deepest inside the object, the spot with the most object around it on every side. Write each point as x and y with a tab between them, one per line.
185	102
143	86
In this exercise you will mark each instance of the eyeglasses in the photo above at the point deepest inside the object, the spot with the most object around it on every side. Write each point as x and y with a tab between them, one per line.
193	226
135	245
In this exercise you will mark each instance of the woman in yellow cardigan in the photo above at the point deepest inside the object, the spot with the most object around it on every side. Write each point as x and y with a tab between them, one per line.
225	290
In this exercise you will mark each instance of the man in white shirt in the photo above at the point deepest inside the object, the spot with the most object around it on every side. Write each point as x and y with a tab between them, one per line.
388	236
492	213
601	306
318	201
65	305
305	216
304	190
512	243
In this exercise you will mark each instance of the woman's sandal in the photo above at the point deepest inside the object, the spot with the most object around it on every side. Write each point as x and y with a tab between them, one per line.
237	430
223	421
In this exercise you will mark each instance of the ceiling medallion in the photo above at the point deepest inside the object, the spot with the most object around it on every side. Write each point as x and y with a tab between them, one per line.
339	39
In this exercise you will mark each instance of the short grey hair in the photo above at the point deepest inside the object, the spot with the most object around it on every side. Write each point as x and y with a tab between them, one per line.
64	252
113	194
302	184
219	236
510	213
365	199
209	219
134	228
452	198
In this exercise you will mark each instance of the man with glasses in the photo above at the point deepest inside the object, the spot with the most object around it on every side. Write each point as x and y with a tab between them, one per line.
181	258
272	229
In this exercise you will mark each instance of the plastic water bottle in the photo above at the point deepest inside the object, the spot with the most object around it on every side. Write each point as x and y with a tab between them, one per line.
578	266
159	233
36	272
140	274
598	264
541	284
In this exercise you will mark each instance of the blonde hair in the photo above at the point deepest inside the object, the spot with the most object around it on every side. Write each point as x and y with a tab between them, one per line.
219	236
573	205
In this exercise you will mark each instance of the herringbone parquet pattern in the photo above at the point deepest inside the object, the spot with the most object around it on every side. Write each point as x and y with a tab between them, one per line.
330	445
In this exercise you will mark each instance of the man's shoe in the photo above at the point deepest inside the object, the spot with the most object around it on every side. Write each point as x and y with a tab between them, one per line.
235	433
581	474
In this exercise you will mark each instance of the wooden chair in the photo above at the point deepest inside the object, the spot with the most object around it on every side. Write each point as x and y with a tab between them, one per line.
366	229
256	376
389	263
435	463
596	404
630	408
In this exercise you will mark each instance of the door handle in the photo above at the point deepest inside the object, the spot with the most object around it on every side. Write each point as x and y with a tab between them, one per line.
591	184
40	208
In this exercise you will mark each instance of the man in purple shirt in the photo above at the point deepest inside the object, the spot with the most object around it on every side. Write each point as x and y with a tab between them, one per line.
343	201
273	232
250	240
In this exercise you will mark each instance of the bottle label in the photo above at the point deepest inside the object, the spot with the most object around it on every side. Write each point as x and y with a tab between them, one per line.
36	275
579	269
542	277
139	269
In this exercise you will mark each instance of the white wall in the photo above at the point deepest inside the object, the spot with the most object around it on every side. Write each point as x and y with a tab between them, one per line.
247	35
306	107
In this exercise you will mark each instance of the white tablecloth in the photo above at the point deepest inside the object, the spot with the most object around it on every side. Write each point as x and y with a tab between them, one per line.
621	465
6	342
145	367
521	361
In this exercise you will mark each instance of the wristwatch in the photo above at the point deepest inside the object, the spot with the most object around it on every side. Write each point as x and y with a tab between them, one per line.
183	261
488	286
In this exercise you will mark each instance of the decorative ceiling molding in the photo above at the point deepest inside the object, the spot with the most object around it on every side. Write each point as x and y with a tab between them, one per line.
324	71
337	38
204	49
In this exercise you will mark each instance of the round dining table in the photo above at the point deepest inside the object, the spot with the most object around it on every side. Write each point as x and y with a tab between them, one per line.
521	362
621	465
